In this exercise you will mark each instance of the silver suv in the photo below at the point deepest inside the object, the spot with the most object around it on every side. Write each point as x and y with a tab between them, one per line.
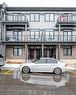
1	61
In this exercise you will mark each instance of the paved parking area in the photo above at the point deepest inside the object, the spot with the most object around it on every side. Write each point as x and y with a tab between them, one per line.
16	83
13	82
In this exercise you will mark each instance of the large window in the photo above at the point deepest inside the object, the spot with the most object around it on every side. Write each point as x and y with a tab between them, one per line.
67	50
49	34
17	51
34	34
69	17
15	17
49	17
74	17
67	35
9	17
34	17
18	35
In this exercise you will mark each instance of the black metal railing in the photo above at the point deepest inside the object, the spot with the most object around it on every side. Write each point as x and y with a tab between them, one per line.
39	38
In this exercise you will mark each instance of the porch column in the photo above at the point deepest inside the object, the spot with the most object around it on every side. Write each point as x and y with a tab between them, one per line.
42	50
34	53
0	32
1	49
26	52
4	32
59	52
4	51
59	45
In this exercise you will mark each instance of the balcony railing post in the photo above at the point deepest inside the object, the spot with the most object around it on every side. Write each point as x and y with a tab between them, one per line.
25	32
26	52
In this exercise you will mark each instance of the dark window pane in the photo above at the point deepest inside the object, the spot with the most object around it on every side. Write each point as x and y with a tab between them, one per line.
51	61
17	51
41	61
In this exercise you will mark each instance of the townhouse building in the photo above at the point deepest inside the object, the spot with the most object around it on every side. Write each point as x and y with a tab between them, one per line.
28	33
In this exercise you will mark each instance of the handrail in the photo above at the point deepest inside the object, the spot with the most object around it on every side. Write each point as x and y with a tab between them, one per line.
40	38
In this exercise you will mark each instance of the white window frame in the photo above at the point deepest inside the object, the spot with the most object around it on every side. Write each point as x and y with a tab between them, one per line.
17	51
49	19
34	17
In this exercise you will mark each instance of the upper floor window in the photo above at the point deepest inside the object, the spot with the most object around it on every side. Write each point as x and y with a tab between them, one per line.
34	17
49	34
70	17
74	17
49	17
18	17
9	17
15	17
34	34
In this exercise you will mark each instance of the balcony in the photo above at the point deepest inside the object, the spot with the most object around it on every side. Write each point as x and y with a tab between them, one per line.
38	38
67	20
13	19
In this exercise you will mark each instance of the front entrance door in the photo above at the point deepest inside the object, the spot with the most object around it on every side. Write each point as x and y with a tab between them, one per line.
52	53
31	54
38	53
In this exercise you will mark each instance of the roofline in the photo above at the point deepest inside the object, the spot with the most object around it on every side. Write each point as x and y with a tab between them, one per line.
41	8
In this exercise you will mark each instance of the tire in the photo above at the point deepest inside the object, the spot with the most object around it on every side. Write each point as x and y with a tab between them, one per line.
57	71
25	69
25	77
57	78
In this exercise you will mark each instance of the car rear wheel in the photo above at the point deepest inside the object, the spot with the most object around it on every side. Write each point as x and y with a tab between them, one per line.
25	69
57	71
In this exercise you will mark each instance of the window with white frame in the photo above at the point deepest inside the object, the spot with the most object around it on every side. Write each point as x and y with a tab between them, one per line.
15	17
67	50
49	17
17	51
49	34
34	17
74	17
9	17
34	34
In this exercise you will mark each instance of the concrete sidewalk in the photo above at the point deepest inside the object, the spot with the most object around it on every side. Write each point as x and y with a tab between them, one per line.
11	66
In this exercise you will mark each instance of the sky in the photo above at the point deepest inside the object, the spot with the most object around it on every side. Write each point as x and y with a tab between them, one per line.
40	3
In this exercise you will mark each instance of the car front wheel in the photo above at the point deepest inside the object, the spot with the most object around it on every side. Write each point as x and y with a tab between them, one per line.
25	69
57	71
